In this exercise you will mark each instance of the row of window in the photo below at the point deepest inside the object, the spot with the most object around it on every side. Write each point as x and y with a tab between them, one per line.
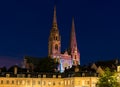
45	83
33	82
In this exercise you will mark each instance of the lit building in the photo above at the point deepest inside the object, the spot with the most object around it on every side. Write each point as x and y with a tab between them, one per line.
16	77
71	56
75	77
19	77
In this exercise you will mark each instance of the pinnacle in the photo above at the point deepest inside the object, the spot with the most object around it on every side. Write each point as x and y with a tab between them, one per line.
54	16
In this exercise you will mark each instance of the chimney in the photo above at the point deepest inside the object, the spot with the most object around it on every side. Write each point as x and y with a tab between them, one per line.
0	70
15	70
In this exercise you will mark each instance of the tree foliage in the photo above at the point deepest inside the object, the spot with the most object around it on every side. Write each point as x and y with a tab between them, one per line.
108	79
46	65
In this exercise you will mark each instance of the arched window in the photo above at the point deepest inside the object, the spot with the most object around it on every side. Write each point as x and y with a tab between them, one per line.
56	47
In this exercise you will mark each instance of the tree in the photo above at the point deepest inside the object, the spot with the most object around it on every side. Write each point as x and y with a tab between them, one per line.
46	65
108	79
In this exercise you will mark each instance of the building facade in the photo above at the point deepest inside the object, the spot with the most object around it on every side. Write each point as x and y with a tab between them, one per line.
72	55
48	82
20	78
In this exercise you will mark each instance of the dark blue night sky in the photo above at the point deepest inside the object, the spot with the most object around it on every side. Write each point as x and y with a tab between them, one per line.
25	26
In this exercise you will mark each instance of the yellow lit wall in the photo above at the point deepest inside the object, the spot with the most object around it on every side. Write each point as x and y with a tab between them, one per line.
48	82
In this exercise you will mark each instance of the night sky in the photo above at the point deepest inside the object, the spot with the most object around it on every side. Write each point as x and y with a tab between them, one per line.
25	27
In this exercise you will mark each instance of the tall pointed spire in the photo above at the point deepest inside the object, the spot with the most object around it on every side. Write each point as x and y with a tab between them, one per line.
54	43
54	25
54	16
73	43
73	46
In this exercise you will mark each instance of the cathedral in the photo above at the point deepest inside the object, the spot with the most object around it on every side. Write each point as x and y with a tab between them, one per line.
71	57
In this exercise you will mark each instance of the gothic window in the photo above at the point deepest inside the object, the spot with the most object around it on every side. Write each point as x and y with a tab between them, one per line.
56	47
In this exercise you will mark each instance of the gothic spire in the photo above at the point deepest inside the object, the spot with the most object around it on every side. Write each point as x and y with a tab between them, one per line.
73	43
54	25
54	16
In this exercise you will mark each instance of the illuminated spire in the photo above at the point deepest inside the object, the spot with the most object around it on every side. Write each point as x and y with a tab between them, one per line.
54	25
54	38
73	43
73	46
54	16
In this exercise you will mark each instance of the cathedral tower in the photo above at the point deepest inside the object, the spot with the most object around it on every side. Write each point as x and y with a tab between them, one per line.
54	44
73	46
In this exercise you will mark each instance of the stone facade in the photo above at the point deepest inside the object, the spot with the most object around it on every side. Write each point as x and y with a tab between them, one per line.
48	82
71	56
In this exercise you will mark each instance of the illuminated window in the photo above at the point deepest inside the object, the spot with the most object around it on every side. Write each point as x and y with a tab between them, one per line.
72	82
28	82
49	83
28	75
39	76
87	82
33	82
53	83
68	82
83	74
43	82
12	82
23	82
7	75
19	82
1	81
16	82
44	76
39	82
78	82
59	83
65	82
118	68
7	82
